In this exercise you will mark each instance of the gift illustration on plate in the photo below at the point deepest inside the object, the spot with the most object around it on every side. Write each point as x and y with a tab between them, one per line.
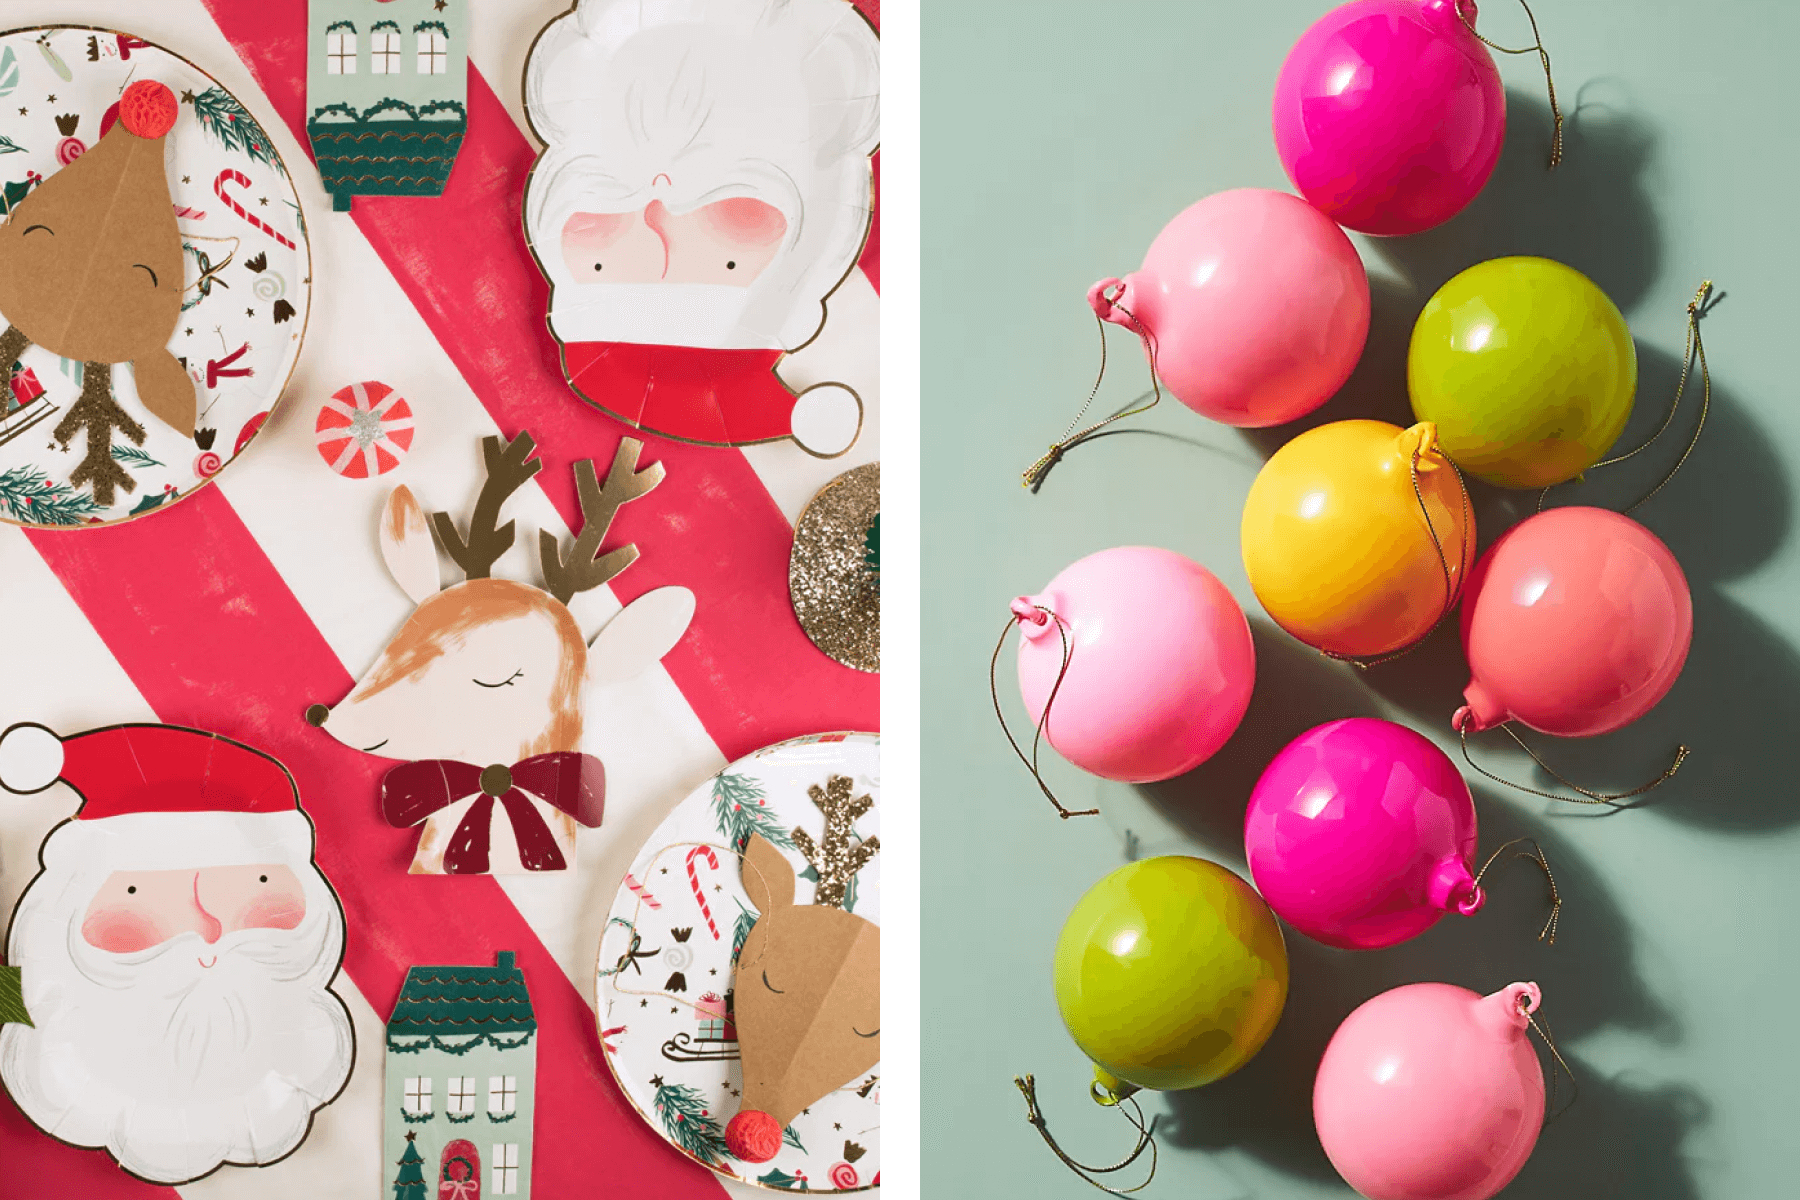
706	185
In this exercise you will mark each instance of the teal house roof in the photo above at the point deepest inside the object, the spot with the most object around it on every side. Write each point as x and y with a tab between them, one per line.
452	1001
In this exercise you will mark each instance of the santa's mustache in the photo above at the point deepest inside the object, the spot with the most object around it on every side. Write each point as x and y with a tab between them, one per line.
188	960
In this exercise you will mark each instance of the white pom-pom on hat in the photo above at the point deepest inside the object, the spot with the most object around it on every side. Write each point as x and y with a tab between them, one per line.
31	758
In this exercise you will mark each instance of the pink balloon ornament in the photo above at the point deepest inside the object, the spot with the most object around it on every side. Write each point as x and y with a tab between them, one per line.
1576	622
1160	663
1389	114
1431	1092
1361	834
1254	306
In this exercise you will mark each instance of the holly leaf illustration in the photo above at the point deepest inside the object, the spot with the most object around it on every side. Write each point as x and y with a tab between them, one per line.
12	998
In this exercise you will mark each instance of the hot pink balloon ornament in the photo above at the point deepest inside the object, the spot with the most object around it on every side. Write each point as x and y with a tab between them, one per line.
1389	114
1159	667
1431	1092
1255	306
1361	834
1576	622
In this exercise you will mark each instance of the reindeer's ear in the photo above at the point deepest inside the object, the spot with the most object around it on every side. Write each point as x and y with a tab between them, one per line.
768	877
406	545
647	629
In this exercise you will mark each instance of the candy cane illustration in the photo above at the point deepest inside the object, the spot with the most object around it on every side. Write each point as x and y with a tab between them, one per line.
694	882
232	175
642	892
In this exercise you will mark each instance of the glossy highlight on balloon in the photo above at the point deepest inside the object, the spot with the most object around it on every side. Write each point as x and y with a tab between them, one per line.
1257	307
1337	546
1170	973
1432	1092
1160	668
1361	834
1389	114
1527	368
1576	622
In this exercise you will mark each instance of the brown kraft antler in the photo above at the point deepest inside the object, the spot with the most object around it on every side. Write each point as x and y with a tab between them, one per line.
839	859
507	471
600	502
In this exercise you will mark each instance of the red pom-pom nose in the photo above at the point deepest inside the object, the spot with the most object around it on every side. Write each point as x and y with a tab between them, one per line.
148	109
753	1136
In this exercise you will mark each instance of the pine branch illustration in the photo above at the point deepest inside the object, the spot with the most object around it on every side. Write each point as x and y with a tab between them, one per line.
134	456
741	809
685	1119
231	124
30	497
745	922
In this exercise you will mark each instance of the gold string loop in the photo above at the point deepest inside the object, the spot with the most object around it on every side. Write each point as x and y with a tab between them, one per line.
1547	934
1452	587
1543	1031
1693	351
1609	799
1027	1085
1556	134
1042	614
1033	477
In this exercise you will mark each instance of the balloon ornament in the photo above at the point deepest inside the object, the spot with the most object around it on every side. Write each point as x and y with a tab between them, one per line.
1357	535
1432	1092
1135	663
1389	114
1527	369
1170	973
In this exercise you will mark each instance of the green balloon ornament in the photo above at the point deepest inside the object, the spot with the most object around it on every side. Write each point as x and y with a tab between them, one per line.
1527	369
1170	973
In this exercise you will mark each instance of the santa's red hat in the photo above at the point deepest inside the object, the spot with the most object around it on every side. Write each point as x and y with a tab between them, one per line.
156	795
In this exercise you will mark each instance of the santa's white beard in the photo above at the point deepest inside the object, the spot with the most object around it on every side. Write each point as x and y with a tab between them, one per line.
171	1066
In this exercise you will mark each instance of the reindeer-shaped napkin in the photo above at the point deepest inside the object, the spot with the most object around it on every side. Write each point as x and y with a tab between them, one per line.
808	979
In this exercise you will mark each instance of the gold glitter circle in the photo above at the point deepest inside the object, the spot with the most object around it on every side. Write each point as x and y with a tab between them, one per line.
836	595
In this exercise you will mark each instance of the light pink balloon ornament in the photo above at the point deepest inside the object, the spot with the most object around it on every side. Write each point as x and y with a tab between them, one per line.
1135	663
1431	1092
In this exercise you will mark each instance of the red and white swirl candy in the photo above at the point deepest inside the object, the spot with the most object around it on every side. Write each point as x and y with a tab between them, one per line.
364	430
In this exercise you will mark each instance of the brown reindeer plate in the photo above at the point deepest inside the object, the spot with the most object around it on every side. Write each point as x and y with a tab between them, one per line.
738	985
154	276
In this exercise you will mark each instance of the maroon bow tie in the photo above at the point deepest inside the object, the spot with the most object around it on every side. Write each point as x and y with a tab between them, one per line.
567	780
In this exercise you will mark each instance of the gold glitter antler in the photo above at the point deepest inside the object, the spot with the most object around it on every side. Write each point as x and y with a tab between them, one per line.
840	858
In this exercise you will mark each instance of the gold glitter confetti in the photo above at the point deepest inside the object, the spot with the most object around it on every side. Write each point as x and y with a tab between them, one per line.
843	854
836	593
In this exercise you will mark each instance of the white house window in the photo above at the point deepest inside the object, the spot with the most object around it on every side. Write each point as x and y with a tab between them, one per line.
384	49
340	49
506	1168
503	1093
461	1096
434	52
418	1095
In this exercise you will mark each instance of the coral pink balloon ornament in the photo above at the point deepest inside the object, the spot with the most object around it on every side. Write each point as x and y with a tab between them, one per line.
1431	1092
1361	834
364	430
1389	114
1575	623
1135	662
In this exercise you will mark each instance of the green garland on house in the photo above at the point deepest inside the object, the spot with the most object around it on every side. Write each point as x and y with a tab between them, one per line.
741	808
30	496
684	1116
232	126
496	1040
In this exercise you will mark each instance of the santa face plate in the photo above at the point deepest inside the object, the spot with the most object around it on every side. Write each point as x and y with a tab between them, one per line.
243	298
665	976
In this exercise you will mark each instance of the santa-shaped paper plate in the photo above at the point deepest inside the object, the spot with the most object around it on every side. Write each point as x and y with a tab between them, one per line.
738	984
154	276
706	183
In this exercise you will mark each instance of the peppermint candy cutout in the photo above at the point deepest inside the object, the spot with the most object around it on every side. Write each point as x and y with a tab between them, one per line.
364	430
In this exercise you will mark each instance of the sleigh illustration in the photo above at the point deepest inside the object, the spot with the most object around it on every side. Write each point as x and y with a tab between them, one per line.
716	1036
24	406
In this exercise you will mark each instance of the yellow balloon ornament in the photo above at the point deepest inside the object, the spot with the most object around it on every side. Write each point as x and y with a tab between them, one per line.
1357	535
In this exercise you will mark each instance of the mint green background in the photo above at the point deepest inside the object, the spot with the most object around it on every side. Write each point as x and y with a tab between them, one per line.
1058	138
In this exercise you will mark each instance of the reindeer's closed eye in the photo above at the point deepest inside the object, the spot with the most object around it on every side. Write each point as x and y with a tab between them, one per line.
147	271
507	682
770	986
859	1033
30	228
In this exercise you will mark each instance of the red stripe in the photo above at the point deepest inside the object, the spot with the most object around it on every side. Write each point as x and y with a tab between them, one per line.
209	633
38	1167
745	667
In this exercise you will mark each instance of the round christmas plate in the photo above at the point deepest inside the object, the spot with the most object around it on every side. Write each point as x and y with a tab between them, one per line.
665	978
244	295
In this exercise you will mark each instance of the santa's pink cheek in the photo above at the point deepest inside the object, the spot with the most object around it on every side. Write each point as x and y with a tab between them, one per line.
742	221
595	231
121	930
272	912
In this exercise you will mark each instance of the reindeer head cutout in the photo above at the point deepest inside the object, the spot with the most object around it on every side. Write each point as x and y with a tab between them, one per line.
489	674
808	979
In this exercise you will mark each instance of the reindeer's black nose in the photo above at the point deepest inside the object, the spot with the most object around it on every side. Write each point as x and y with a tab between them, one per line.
316	714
